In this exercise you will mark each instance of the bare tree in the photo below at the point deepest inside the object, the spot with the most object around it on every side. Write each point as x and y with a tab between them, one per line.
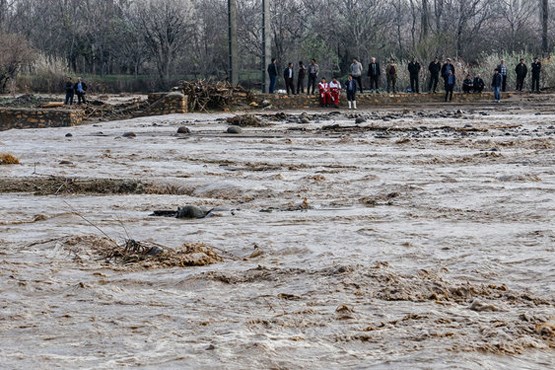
15	52
544	21
165	26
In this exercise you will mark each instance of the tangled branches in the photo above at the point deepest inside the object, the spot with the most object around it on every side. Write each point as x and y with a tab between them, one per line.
204	95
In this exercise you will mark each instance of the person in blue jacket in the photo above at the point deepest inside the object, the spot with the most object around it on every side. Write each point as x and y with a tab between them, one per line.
450	81
497	84
351	87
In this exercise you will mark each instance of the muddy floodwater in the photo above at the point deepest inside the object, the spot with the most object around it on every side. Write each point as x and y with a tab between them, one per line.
417	238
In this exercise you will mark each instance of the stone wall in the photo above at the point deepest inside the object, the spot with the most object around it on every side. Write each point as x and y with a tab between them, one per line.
166	103
367	100
38	118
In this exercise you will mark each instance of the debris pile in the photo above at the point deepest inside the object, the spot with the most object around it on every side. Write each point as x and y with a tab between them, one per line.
204	95
136	255
8	158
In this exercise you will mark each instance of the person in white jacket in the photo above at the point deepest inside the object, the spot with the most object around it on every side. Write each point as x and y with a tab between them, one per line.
335	91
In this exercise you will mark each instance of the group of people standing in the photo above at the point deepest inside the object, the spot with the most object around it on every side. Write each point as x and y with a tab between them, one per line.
78	88
436	70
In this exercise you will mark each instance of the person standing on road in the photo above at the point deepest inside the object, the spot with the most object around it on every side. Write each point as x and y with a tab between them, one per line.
502	68
414	71
80	89
374	74
70	91
288	77
450	81
521	71
391	76
434	68
536	69
351	87
497	84
272	73
300	78
313	70
356	72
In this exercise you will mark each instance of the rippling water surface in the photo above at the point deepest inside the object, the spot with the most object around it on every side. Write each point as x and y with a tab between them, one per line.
416	241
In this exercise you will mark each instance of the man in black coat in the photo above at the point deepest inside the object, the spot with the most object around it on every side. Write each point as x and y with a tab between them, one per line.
414	70
521	72
288	77
478	84
536	69
374	74
272	73
70	91
300	77
434	68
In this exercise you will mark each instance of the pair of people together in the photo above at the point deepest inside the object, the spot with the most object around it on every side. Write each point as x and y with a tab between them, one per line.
330	92
78	88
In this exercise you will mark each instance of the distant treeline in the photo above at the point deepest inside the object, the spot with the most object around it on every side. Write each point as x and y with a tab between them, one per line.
156	40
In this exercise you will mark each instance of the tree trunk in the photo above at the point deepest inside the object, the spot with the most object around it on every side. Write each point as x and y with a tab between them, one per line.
425	20
544	21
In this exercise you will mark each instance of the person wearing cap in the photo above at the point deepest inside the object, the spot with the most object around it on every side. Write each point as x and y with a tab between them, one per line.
536	69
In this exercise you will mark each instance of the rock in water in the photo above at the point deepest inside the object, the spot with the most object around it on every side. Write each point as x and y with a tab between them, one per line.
360	120
191	212
183	130
234	130
129	134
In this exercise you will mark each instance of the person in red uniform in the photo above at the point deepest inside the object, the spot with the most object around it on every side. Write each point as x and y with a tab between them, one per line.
325	96
335	91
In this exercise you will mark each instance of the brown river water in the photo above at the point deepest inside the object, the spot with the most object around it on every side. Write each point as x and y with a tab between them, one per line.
417	239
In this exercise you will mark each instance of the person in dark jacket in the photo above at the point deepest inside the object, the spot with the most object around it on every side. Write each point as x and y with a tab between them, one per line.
80	89
288	75
374	74
434	68
351	87
272	73
414	71
313	70
521	71
70	91
447	66
503	71
536	69
478	84
300	78
497	84
450	82
467	84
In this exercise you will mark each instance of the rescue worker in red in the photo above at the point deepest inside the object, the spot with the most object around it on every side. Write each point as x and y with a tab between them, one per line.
325	96
335	91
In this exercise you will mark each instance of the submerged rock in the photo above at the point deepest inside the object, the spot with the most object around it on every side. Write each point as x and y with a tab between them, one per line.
191	212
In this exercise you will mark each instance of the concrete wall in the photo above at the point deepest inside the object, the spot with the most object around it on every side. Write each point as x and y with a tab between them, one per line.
38	118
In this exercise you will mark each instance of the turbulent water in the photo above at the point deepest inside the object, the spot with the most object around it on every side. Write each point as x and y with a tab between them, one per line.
415	239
